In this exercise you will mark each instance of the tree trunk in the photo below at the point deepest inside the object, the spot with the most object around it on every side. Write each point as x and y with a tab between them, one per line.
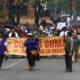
74	7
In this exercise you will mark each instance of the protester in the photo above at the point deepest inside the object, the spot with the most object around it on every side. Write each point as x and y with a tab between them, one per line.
23	32
60	25
76	45
13	33
64	32
32	50
68	52
2	49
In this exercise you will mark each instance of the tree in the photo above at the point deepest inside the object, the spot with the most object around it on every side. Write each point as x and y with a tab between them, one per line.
74	8
64	5
38	7
19	4
11	12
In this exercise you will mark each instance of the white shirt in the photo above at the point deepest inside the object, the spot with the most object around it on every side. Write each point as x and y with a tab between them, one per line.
41	27
60	25
16	34
63	33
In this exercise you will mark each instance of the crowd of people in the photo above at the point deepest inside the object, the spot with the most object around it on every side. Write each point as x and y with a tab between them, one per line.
44	29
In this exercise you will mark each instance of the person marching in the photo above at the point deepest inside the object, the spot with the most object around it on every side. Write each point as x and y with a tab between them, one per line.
76	45
32	50
68	52
2	49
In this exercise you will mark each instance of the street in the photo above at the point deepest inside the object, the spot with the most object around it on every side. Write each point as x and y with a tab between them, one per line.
46	69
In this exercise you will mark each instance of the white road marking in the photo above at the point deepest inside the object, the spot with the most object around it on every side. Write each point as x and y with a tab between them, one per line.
13	64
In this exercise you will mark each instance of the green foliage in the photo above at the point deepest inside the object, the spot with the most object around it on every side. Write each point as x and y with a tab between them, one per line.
61	4
1	15
78	7
1	9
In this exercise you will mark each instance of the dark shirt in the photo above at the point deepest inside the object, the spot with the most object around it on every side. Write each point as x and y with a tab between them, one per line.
13	34
76	43
30	45
2	46
68	45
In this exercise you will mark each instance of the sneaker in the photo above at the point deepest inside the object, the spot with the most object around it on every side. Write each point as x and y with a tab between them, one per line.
66	70
69	70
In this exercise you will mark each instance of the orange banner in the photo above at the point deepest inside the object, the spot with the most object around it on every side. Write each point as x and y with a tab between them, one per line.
15	46
48	46
51	46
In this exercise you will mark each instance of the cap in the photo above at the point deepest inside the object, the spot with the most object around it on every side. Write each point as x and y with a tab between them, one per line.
29	34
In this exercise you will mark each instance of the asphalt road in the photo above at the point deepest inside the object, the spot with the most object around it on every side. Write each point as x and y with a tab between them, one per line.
46	69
